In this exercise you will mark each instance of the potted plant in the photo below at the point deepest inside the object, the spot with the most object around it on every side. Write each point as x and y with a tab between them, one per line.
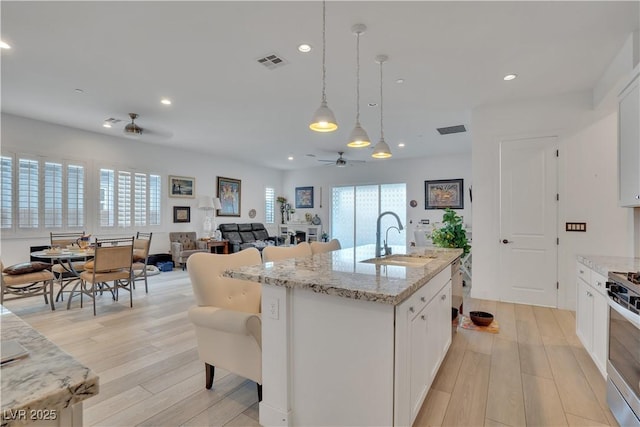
451	234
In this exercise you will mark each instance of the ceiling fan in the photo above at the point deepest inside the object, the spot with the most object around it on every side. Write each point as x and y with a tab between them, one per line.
133	130
341	161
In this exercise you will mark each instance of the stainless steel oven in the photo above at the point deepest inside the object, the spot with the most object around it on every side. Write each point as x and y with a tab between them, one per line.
623	365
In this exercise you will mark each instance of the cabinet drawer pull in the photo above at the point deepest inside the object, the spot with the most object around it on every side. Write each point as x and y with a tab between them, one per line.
422	317
581	271
411	309
599	283
443	297
423	299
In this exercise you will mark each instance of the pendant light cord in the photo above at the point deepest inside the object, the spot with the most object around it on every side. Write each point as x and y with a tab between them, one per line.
358	78
381	104
324	48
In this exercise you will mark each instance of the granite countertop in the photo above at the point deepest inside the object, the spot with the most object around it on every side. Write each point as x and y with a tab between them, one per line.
605	264
47	379
343	274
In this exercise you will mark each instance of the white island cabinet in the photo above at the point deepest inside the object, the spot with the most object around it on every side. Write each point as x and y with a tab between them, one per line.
629	142
346	342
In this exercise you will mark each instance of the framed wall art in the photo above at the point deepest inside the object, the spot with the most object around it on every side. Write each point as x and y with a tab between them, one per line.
304	197
182	186
444	193
181	214
230	195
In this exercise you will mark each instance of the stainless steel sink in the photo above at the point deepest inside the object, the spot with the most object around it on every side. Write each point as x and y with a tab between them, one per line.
401	260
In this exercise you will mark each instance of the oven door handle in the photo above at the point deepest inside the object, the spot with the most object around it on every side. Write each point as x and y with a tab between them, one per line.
630	316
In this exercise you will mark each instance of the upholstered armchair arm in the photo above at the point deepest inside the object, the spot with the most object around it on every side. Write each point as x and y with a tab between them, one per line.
234	322
176	250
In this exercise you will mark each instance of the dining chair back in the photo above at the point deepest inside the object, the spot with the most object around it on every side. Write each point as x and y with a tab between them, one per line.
112	262
277	253
141	246
321	247
65	274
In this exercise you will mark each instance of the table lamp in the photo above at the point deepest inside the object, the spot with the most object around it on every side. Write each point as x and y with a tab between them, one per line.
206	203
216	205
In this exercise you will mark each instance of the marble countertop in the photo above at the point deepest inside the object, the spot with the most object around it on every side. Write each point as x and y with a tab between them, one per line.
343	274
48	378
605	264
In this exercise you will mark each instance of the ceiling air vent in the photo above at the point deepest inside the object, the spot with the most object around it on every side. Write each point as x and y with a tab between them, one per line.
272	61
452	129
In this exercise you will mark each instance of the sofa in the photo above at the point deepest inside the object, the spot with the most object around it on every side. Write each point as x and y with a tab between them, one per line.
243	236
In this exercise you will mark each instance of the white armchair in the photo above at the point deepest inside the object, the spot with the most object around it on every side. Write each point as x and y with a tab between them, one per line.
227	316
183	245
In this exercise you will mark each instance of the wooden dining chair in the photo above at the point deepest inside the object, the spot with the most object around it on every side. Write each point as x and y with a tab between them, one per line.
112	262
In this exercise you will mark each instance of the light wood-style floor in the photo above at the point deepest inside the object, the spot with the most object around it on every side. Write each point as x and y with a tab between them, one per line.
534	372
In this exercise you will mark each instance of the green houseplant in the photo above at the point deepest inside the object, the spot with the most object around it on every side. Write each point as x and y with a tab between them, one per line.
451	234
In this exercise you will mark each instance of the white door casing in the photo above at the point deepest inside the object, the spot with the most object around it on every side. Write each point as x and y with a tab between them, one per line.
528	247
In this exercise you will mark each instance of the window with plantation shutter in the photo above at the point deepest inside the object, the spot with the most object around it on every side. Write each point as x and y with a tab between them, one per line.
28	186
155	195
52	195
140	200
75	196
6	192
107	198
129	199
124	199
269	205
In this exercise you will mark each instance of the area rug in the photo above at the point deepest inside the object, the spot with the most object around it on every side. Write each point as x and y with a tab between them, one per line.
466	323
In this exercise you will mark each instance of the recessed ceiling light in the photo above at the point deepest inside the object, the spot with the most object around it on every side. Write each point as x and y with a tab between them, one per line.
510	77
78	91
401	144
290	158
400	81
304	48
165	101
4	45
106	125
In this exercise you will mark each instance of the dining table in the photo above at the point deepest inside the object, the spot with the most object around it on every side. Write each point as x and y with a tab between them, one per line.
66	258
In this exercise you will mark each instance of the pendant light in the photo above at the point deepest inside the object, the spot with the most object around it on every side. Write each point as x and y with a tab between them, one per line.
381	150
358	137
323	120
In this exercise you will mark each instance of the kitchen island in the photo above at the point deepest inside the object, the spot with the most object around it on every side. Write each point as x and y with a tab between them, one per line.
352	340
47	386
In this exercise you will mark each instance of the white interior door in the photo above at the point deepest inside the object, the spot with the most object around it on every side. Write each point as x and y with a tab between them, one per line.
528	221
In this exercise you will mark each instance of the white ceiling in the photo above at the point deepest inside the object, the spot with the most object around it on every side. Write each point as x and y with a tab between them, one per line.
202	55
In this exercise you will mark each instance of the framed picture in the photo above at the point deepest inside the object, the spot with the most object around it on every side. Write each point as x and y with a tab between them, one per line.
230	195
444	193
304	197
182	186
181	214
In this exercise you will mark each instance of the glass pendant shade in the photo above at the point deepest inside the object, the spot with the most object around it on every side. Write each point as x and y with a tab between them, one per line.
323	120
381	150
358	137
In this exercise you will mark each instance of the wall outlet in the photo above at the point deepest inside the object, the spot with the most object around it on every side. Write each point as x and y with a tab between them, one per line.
273	308
576	226
424	221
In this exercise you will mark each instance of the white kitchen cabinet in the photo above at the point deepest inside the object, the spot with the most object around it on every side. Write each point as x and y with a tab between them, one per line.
423	336
592	315
629	143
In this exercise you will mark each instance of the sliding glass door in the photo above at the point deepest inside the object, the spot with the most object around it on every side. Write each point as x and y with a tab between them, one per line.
355	210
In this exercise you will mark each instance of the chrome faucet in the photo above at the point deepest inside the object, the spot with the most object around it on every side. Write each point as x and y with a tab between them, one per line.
378	248
387	249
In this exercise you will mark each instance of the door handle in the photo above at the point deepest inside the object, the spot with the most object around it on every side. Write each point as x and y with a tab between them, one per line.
505	241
